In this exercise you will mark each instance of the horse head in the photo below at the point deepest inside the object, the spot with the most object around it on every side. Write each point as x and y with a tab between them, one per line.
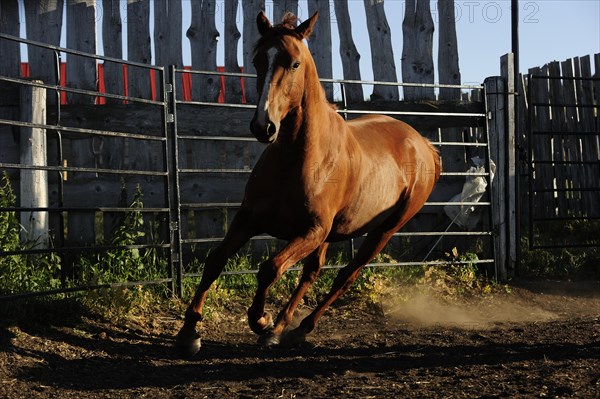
281	61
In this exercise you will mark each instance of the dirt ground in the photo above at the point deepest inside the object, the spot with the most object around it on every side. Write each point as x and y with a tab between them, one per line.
540	340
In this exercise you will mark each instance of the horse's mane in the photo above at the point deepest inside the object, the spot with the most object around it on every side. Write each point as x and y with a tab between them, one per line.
287	26
289	20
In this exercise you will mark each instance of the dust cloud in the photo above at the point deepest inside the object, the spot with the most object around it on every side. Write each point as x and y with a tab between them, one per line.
425	310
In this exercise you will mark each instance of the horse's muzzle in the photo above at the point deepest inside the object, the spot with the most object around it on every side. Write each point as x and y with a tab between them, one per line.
264	132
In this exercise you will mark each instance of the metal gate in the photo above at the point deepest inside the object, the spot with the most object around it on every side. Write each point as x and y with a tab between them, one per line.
184	182
205	169
563	160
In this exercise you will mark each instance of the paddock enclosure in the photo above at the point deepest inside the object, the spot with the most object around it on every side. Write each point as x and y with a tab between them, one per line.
109	139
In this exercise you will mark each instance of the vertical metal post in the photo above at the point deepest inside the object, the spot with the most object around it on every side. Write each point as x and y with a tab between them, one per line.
518	138
60	237
173	184
498	261
530	160
344	99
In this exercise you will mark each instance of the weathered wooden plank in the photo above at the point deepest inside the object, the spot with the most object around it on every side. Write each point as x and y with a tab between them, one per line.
589	142
544	203
168	39
417	50
558	125
497	128
448	68
348	52
10	63
203	36
507	68
81	35
112	43
320	42
521	141
574	174
82	74
596	91
382	53
43	23
112	148
138	47
34	183
233	85
9	135
250	35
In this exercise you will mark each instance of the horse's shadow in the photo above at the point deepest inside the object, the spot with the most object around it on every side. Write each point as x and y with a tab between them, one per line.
121	359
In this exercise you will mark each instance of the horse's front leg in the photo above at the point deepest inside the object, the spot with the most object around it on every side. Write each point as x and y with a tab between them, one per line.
187	341
312	267
271	270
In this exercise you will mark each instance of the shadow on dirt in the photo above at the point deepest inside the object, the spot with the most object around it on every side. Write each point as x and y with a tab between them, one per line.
129	360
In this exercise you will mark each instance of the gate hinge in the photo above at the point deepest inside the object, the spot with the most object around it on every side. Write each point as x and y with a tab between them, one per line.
174	226
168	88
170	118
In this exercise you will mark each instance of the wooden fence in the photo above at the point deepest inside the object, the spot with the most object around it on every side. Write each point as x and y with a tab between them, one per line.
560	140
44	23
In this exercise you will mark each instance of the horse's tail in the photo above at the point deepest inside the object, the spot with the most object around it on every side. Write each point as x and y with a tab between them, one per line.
437	160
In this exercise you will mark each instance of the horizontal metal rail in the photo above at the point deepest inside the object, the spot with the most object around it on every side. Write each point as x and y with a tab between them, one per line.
79	130
252	139
564	105
564	133
242	171
350	111
370	265
75	169
95	248
562	162
81	288
559	190
566	245
545	77
83	209
264	237
564	218
235	205
345	81
80	53
90	93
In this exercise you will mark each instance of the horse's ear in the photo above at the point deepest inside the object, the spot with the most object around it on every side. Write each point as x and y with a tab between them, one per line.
263	24
306	27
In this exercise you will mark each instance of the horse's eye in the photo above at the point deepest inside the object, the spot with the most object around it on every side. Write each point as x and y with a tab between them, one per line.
296	65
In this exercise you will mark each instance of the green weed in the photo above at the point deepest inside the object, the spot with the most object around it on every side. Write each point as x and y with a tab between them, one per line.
21	272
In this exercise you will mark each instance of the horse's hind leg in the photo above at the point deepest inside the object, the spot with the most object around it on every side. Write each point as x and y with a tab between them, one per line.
312	267
188	340
373	244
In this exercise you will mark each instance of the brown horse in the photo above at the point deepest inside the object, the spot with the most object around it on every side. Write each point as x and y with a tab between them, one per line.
320	179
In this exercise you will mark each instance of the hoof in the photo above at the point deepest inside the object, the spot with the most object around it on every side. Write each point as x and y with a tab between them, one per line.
269	340
263	325
187	345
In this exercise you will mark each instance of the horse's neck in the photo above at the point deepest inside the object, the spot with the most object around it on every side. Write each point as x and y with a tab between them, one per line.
318	118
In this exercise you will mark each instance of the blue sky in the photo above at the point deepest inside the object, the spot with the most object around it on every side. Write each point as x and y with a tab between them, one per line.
549	30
